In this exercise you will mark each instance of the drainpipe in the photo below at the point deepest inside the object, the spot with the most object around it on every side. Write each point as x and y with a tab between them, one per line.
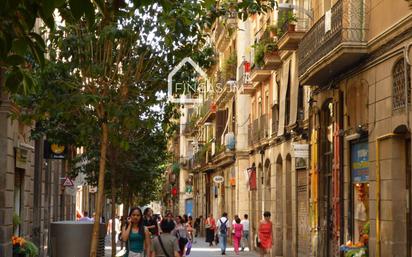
378	192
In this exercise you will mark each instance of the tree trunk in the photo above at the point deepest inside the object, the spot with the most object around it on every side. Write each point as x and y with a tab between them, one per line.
100	190
113	214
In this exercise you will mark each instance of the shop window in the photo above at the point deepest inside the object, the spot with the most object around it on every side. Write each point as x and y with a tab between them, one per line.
360	192
398	84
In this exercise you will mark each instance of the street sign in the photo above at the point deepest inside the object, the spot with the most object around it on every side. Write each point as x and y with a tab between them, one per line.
68	182
218	179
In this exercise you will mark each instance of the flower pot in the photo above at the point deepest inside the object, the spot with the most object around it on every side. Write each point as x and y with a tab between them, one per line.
291	27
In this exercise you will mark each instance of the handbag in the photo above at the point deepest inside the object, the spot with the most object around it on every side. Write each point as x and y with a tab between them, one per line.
188	248
163	247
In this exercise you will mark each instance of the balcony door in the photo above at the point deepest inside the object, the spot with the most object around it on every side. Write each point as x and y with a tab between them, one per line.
325	181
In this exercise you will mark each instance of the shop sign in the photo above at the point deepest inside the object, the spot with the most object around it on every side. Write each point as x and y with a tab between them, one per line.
21	158
218	179
54	151
360	162
300	150
252	178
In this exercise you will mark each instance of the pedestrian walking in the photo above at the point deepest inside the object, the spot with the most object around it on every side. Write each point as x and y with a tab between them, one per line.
165	244
245	237
190	228
210	225
150	222
265	235
196	225
237	235
116	228
223	225
181	233
233	224
136	235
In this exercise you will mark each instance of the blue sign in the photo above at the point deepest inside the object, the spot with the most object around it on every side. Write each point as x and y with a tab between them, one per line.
360	162
189	207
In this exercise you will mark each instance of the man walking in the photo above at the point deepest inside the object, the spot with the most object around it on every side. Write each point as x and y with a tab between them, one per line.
223	226
245	241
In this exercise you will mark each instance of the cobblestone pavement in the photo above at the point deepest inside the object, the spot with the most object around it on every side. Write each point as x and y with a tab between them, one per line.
201	249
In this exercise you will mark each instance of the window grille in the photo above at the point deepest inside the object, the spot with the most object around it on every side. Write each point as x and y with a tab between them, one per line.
398	89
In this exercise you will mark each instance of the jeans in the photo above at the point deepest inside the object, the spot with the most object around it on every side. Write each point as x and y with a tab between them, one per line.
245	239
223	242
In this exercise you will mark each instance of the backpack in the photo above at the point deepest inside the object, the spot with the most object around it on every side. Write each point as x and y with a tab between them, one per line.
223	227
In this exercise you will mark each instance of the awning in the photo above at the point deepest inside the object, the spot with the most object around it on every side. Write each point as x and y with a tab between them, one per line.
283	89
294	89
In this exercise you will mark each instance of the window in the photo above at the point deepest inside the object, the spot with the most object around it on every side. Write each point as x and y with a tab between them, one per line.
398	85
18	188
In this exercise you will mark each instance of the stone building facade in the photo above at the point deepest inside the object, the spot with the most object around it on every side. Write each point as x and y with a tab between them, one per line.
322	127
30	186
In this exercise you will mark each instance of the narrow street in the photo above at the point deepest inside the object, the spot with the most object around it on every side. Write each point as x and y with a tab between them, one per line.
201	249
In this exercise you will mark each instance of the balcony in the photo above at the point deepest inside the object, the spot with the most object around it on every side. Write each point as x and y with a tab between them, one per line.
272	60
260	74
245	86
324	55
292	34
206	112
258	130
225	29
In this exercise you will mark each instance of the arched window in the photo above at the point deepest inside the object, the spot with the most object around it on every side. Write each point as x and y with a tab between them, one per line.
398	86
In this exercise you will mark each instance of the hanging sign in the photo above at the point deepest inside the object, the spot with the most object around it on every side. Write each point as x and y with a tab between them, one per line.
54	151
218	179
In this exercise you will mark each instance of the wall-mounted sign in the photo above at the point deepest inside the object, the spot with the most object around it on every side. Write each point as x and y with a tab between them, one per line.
21	158
300	150
218	179
54	151
360	162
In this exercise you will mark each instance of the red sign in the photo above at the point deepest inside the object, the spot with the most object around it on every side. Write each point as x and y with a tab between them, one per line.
213	107
174	191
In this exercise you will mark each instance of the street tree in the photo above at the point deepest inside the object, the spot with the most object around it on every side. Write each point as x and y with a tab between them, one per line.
106	65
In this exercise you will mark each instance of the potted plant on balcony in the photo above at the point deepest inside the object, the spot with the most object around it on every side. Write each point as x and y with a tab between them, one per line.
291	20
259	58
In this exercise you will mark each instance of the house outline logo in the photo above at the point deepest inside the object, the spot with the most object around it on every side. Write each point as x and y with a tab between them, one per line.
184	100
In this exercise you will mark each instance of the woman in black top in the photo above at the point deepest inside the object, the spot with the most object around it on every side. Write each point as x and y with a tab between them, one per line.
150	222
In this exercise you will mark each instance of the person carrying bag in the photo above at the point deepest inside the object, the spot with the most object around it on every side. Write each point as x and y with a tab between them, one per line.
165	245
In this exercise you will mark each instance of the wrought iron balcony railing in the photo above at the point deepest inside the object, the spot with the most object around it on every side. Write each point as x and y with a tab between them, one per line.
347	27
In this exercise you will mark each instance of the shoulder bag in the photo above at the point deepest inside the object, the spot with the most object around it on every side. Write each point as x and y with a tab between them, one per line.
163	247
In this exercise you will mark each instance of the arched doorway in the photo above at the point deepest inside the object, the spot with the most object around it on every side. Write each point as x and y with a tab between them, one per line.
279	207
288	209
325	185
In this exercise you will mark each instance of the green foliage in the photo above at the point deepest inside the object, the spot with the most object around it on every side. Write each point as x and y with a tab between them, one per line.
229	67
259	54
31	250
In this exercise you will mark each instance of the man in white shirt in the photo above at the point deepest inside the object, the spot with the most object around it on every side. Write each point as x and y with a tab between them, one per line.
223	226
245	239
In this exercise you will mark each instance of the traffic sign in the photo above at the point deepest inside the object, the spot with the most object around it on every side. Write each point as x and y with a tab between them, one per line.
68	182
